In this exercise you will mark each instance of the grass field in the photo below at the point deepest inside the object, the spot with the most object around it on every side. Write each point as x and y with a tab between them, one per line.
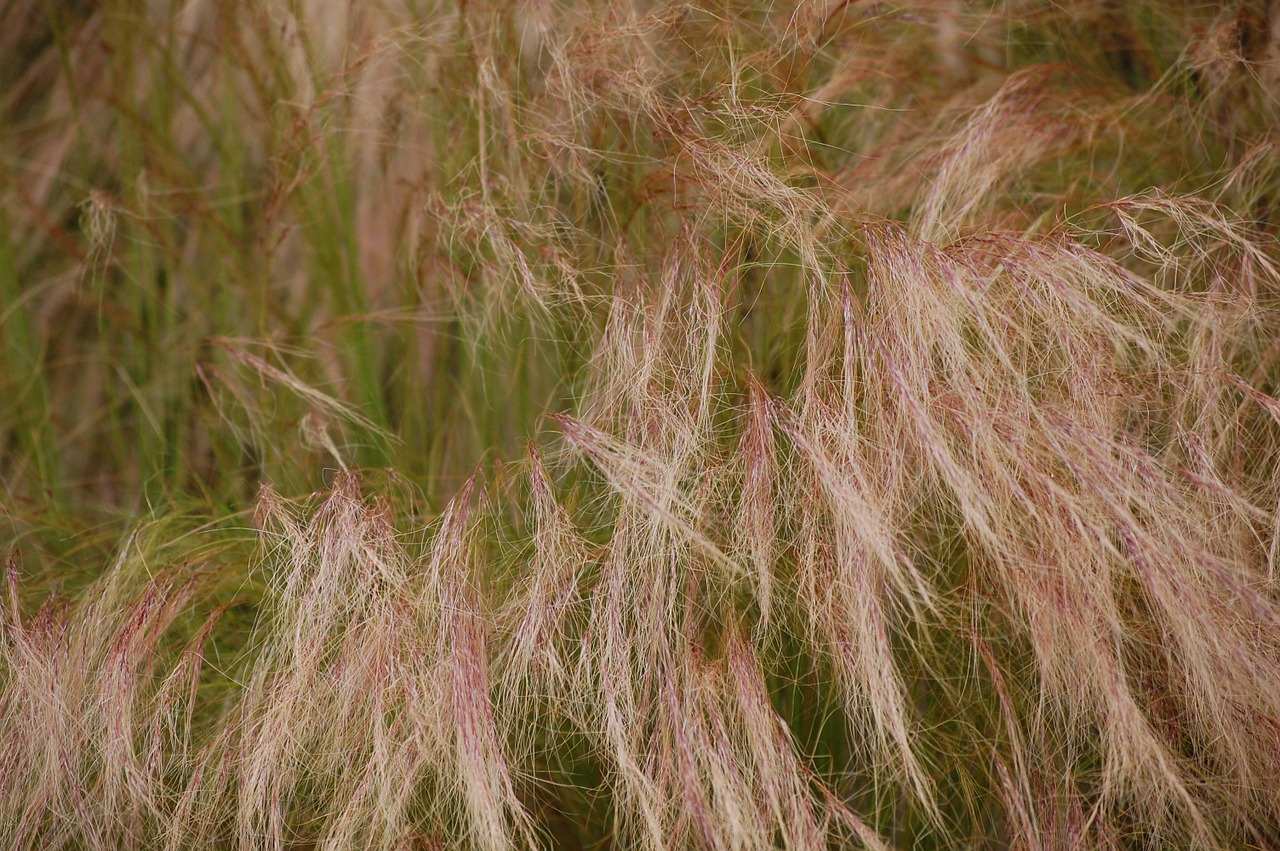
579	425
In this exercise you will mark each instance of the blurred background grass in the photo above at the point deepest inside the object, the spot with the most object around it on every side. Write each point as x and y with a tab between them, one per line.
208	206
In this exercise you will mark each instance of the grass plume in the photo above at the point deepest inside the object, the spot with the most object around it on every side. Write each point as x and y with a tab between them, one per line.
639	424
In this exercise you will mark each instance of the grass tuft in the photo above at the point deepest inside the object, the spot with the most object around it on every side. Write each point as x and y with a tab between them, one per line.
639	424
